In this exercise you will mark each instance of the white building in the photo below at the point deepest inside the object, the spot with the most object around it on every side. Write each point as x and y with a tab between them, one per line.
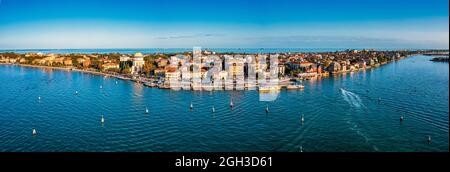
138	63
124	58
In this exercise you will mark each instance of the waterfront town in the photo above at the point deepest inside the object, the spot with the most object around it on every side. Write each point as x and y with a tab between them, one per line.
208	70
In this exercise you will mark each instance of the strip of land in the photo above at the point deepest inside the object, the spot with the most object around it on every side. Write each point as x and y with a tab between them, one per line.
157	70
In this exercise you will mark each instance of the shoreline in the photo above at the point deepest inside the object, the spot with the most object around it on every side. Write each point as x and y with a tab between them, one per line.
69	69
146	83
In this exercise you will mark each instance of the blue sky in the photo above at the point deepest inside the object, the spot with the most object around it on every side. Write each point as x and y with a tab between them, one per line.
224	23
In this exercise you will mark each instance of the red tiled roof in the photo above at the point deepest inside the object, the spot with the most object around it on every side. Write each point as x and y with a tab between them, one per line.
171	69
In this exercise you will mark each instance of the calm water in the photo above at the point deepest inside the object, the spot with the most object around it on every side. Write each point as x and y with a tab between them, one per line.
335	119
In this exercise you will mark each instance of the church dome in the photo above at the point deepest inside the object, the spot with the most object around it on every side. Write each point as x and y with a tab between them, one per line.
138	54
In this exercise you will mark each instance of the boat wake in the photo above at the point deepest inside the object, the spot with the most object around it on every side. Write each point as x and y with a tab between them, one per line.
355	101
351	98
353	126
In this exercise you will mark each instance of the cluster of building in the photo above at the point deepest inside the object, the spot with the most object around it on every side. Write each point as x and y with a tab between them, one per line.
221	71
61	60
316	64
210	70
136	63
236	71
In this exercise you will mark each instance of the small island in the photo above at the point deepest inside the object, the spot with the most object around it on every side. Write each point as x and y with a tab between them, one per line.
440	59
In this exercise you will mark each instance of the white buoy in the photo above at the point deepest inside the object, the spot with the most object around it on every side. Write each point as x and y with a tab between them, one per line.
101	87
303	119
401	118
429	139
39	98
213	109
191	106
117	82
76	92
146	110
103	119
231	103
34	131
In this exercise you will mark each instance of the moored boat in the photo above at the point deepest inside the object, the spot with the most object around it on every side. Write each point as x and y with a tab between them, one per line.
265	89
295	87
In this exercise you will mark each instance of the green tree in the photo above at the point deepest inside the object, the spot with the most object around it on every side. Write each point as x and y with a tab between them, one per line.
126	70
114	56
149	67
96	64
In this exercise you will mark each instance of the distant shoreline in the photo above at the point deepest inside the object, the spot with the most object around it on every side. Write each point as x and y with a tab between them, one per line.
440	59
70	69
184	50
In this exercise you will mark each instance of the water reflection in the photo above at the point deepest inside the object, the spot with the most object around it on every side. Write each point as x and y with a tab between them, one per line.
138	89
268	97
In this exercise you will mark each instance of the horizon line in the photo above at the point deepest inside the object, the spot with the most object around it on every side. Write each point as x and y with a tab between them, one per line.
125	48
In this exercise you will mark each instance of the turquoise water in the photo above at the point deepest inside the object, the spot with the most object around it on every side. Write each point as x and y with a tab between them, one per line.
348	119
